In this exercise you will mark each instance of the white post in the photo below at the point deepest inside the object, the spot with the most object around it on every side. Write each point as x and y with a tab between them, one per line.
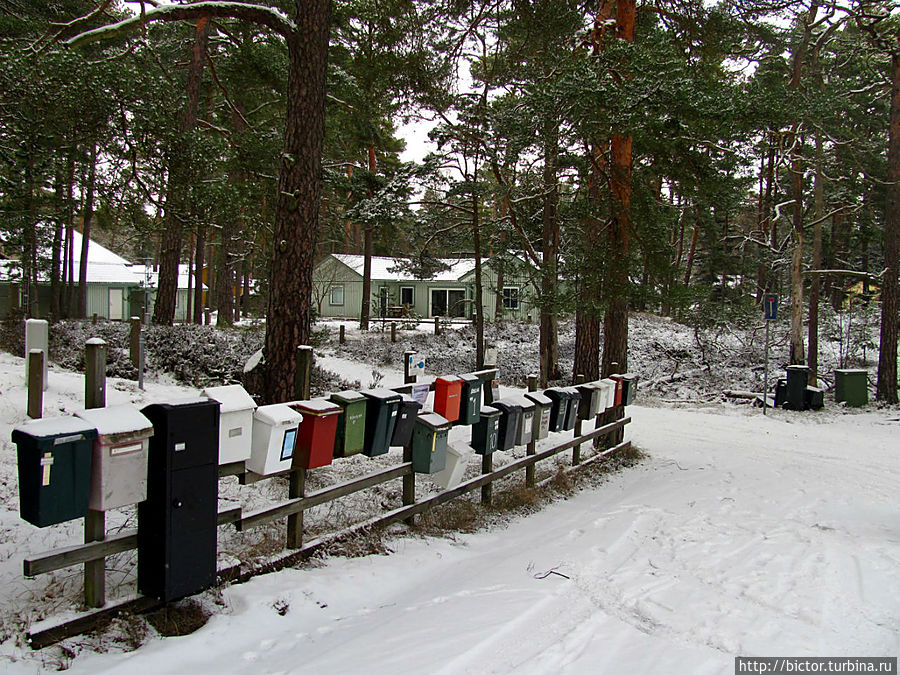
37	336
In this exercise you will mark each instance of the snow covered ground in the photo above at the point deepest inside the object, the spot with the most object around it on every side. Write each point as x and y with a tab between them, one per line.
738	535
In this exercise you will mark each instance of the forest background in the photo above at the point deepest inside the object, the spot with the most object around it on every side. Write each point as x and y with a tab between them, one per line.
673	156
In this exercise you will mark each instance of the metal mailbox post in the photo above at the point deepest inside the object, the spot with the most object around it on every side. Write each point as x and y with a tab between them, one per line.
447	393
486	432
316	433
381	417
274	439
177	524
119	459
54	462
235	421
351	426
429	443
510	414
470	400
543	407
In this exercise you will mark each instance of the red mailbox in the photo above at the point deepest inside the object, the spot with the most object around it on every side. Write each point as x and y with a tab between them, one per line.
315	439
447	394
618	379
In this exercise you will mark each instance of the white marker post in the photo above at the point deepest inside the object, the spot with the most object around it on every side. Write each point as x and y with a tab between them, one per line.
37	336
770	306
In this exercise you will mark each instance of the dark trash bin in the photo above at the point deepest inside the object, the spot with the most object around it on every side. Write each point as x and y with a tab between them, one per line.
797	381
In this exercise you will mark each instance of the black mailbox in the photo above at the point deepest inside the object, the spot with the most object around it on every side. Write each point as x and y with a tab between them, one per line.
510	416
470	401
406	420
54	458
381	416
486	432
572	408
177	524
629	388
559	407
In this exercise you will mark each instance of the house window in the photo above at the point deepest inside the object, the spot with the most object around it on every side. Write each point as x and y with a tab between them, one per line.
511	297
337	295
407	296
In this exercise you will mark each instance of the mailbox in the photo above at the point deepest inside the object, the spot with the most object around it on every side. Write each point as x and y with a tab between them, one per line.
54	457
629	388
543	407
589	405
610	392
236	408
119	458
525	428
447	392
350	437
559	399
316	434
572	409
618	380
851	385
429	443
381	416
274	438
452	474
485	432
406	419
177	524
470	400
510	414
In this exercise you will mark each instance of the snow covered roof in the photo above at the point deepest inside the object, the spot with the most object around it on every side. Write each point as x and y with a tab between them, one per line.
146	272
382	267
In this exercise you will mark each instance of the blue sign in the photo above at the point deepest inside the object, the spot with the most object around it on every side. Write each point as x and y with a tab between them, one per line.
770	304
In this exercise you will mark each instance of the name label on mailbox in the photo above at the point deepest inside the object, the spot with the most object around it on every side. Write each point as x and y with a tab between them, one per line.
46	462
126	449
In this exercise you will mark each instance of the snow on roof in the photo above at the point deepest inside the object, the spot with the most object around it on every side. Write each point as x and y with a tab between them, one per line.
148	273
382	267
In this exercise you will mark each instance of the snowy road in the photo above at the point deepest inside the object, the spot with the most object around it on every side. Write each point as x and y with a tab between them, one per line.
741	535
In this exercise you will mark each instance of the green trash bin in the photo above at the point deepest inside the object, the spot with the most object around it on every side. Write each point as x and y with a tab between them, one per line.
351	427
470	401
851	385
55	457
429	443
381	416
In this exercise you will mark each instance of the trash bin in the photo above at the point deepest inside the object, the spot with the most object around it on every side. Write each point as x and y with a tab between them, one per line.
470	399
119	459
815	398
274	438
510	415
54	458
572	408
177	524
851	386
429	443
452	474
350	437
780	392
447	393
559	399
381	416
589	405
406	420
235	421
485	432
525	428
543	407
797	381
316	434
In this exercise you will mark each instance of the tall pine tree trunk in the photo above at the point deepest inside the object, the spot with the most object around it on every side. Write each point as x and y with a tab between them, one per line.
549	345
815	285
87	220
368	243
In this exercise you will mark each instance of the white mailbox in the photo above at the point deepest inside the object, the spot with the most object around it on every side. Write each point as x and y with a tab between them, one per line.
235	421
526	421
119	462
542	408
274	438
610	401
455	469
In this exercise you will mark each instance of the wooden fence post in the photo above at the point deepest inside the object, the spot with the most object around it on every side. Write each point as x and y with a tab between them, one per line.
342	337
297	479
409	484
134	340
35	383
437	325
94	318
393	331
95	521
576	451
532	445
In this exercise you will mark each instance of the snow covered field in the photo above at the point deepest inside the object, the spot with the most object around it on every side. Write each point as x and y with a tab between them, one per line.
738	535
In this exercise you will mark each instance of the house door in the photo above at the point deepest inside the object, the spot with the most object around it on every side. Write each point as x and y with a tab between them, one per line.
450	303
438	303
456	303
116	300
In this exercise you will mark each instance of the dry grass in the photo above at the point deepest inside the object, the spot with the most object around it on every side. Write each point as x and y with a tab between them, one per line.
179	618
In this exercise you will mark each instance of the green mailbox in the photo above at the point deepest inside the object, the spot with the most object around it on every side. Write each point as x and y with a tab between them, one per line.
351	427
486	432
381	416
429	443
851	385
470	401
54	457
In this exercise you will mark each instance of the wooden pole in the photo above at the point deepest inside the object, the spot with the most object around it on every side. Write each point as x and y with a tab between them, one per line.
134	341
437	325
342	338
532	445
576	451
297	479
35	383
487	466
95	521
393	331
409	484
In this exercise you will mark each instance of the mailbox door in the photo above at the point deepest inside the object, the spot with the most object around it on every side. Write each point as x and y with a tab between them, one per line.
191	555
381	416
446	398
315	440
350	437
407	412
470	408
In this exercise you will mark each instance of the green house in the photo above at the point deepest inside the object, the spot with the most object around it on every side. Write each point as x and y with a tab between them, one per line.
402	287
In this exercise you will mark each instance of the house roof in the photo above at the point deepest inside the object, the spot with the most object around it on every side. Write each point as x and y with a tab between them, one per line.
387	269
